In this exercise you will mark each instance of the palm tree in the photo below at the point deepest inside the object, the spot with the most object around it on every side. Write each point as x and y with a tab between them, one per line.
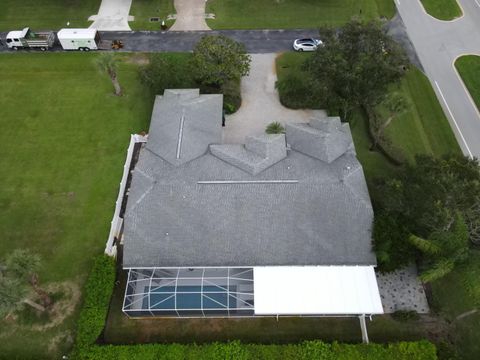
107	62
443	249
12	292
24	265
275	128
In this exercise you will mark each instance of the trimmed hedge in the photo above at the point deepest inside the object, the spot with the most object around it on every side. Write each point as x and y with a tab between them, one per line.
99	289
308	350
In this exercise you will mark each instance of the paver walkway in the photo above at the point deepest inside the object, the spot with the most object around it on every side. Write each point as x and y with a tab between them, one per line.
402	290
438	44
190	15
112	16
260	103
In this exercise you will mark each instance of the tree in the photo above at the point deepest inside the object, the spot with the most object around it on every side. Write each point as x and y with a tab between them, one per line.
355	66
395	106
24	265
390	234
275	128
108	62
166	72
12	292
436	200
445	249
218	59
432	191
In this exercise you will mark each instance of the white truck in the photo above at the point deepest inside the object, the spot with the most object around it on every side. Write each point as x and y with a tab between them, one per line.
79	39
26	38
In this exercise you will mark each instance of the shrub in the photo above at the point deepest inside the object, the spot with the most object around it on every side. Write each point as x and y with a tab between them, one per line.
391	243
275	128
167	71
296	91
235	350
98	291
405	315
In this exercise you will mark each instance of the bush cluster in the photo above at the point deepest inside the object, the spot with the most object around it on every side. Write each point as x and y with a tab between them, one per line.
98	291
172	71
235	350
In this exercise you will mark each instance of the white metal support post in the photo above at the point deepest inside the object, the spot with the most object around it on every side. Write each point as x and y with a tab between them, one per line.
363	326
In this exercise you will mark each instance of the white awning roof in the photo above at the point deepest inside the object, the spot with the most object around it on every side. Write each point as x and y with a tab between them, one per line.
316	290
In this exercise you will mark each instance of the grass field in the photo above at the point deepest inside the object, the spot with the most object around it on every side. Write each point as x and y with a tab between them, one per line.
46	14
63	143
454	295
143	10
278	14
442	9
469	69
423	128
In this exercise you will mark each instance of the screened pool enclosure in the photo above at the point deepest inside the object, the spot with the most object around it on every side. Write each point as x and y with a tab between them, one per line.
189	292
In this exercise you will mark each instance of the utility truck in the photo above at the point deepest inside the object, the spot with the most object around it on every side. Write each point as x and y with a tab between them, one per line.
24	39
79	39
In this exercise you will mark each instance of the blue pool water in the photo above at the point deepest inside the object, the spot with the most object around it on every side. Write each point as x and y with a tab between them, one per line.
189	297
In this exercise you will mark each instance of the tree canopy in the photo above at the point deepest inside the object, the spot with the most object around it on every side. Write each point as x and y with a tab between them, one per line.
355	66
218	59
434	203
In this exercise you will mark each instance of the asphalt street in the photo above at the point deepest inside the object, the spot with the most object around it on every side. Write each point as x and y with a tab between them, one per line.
438	44
256	41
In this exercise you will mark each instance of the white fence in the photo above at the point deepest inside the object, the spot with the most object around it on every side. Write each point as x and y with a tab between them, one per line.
117	221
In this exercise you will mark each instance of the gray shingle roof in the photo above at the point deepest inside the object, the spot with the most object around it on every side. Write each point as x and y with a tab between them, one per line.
249	206
184	123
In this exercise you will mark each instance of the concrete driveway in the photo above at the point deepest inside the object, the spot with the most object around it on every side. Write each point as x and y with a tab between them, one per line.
190	15
260	103
112	16
438	45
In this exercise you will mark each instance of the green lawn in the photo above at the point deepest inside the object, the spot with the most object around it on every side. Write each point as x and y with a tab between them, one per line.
278	14
457	293
442	9
469	69
46	14
143	10
63	144
422	128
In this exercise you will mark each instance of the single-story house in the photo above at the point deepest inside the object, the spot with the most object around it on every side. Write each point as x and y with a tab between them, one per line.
280	225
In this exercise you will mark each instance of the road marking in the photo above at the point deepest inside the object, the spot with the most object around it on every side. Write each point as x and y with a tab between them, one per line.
453	118
477	3
398	2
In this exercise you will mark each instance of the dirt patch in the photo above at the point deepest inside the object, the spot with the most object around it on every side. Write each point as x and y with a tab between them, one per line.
65	339
138	59
62	308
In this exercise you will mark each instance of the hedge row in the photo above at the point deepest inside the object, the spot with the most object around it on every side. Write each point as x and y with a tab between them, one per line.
99	289
309	350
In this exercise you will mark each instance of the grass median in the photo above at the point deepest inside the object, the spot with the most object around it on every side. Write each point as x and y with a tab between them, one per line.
442	9
469	69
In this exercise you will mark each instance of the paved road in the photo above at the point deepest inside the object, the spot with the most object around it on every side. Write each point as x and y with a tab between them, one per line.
438	44
256	41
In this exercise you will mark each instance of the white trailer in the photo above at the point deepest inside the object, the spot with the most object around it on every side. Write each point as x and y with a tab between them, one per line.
79	39
28	39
